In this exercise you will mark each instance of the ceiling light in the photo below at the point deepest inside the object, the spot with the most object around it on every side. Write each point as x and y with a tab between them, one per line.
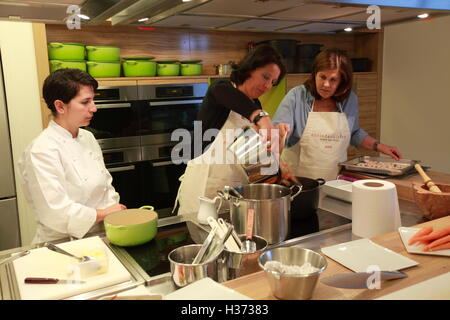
187	0
143	19
83	16
423	15
348	29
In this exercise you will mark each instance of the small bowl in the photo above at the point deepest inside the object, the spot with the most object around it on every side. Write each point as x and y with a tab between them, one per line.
184	272
433	205
293	286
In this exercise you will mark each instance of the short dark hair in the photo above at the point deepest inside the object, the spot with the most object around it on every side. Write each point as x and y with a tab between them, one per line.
258	57
331	59
64	84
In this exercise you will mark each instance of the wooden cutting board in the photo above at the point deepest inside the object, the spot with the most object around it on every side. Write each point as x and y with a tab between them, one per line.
42	262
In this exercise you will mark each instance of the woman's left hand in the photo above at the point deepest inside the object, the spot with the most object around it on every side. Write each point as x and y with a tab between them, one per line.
390	151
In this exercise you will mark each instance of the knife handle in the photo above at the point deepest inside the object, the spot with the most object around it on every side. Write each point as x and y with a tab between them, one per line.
41	280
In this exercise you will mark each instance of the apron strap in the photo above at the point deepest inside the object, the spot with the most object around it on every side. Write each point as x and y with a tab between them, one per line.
175	205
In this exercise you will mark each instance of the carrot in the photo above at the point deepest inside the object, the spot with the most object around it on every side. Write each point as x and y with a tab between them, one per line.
437	242
441	247
436	234
421	232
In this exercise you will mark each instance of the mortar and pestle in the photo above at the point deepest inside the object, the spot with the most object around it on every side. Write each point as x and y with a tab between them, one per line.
433	199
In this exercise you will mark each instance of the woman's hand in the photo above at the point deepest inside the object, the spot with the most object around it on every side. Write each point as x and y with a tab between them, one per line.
286	175
390	151
102	213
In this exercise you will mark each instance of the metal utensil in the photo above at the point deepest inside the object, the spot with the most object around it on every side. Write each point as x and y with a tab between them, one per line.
249	246
52	247
36	280
7	260
218	245
236	193
237	241
360	280
200	255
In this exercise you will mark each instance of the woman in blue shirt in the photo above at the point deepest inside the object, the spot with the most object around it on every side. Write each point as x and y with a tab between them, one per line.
323	117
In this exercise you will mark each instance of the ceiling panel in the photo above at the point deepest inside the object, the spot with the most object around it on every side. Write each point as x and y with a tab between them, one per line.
316	11
261	25
389	14
56	13
244	7
46	2
194	21
320	27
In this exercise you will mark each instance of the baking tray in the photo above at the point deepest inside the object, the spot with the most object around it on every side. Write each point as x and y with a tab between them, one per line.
351	165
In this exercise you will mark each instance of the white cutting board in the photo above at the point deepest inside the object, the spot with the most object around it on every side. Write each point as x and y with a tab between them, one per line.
436	288
42	262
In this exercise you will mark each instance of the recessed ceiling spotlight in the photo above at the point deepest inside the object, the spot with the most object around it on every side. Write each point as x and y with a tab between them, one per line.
83	16
143	19
423	15
348	29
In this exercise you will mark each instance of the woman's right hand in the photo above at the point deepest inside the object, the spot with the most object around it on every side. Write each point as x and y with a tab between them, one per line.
102	213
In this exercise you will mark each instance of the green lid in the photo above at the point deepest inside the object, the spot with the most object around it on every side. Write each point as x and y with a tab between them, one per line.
167	61
138	58
190	61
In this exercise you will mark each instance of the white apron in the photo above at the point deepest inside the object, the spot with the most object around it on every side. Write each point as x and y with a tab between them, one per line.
322	146
203	178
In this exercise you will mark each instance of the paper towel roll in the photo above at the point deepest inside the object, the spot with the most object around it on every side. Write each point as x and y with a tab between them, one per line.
375	208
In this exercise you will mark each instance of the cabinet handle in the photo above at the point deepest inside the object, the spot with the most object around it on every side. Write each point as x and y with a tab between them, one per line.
121	169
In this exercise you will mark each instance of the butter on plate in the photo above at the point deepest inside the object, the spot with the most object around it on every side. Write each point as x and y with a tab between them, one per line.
98	265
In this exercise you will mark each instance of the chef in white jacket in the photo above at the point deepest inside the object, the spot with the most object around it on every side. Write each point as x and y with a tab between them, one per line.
63	174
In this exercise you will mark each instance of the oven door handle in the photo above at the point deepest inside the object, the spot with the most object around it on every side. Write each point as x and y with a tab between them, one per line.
113	105
171	103
161	164
121	169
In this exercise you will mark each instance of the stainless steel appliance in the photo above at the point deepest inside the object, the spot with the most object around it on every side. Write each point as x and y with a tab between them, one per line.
9	217
133	125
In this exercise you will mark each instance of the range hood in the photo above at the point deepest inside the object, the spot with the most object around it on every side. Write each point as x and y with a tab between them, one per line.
418	4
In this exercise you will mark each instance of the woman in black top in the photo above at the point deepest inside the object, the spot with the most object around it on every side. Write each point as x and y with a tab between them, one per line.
230	105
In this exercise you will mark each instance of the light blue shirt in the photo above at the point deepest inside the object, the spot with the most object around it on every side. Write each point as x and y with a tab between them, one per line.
296	105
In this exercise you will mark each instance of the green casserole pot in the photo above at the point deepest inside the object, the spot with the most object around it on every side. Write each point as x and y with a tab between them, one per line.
139	68
103	69
131	227
61	64
103	53
191	69
167	69
66	51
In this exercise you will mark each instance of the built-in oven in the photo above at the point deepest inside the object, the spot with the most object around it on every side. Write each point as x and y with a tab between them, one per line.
166	108
134	125
116	127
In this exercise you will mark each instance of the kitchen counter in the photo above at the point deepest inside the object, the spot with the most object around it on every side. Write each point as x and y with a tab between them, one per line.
405	184
257	287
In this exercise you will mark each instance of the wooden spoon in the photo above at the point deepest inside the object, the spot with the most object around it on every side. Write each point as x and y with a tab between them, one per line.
430	184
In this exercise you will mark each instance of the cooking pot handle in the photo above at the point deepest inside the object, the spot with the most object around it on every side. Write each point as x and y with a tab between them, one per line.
223	195
320	181
147	208
55	44
300	187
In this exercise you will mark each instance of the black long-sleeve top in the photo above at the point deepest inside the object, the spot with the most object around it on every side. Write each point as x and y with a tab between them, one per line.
220	98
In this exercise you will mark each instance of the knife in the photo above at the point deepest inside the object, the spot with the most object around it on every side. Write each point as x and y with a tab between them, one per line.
52	281
358	280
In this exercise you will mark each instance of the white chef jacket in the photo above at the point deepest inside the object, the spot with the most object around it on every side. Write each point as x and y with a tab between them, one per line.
65	180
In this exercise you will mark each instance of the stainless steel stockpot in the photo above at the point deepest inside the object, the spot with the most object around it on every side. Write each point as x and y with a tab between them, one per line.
272	205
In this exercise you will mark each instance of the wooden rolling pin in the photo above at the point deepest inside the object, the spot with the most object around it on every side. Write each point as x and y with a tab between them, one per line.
430	184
